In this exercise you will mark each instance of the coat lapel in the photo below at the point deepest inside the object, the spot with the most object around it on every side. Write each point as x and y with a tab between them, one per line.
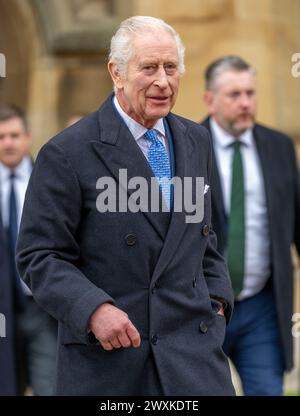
265	152
183	168
118	150
217	192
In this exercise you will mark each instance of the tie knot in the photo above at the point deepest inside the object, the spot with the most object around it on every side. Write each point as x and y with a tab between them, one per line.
151	135
236	144
12	175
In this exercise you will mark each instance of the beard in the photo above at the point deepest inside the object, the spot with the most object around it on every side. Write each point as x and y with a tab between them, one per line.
239	127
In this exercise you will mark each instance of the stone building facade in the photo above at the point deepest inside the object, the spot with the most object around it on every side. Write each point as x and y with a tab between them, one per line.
56	53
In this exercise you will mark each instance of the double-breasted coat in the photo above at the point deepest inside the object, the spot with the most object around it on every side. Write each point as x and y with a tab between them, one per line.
159	269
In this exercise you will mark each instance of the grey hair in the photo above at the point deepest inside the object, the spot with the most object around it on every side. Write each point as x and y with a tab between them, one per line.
121	49
224	64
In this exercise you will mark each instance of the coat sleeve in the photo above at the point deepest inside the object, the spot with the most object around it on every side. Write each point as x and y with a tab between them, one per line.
214	266
216	275
297	205
290	151
47	250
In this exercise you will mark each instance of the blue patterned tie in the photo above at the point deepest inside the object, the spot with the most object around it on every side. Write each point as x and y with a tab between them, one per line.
160	164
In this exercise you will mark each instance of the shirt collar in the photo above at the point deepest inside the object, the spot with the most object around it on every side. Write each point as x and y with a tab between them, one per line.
224	139
136	129
22	171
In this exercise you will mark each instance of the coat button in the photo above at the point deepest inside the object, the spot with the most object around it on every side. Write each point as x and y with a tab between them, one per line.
154	339
130	239
205	230
202	327
194	282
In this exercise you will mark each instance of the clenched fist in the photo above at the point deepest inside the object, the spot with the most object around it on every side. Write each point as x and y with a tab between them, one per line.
113	329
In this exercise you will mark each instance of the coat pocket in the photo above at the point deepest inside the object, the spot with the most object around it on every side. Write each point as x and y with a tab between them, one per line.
66	336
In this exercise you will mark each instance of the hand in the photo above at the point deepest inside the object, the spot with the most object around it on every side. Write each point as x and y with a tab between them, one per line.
113	329
221	312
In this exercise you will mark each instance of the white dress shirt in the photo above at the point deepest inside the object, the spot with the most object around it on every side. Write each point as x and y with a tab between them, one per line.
257	234
22	174
138	131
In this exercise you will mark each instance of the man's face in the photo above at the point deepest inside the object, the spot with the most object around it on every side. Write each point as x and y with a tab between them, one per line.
151	84
232	101
14	142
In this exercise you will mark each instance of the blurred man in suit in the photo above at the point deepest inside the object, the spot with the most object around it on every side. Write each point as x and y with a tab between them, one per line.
142	296
35	331
255	214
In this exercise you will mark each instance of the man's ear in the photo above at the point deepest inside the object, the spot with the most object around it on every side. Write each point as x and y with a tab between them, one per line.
115	75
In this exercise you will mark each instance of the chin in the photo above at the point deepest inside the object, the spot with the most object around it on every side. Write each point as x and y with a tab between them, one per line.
155	116
161	112
11	163
241	128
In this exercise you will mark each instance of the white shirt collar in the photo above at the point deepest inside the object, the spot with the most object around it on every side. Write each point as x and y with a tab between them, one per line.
136	129
22	171
224	139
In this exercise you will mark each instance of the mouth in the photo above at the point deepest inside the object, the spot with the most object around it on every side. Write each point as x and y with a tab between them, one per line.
245	115
159	99
9	153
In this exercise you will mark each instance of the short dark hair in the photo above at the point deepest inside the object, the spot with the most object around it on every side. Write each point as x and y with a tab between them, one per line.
223	64
9	111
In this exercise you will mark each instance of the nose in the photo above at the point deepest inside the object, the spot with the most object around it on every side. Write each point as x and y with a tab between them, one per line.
245	101
161	79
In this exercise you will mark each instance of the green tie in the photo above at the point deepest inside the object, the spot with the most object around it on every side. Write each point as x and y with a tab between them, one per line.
236	231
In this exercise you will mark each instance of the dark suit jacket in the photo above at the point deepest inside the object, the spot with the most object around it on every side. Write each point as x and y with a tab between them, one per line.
162	275
7	354
281	179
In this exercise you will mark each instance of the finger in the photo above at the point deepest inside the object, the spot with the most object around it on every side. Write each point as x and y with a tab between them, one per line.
115	343
134	335
124	340
106	345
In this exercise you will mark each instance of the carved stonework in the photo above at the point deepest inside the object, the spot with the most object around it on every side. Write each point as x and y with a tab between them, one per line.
88	10
72	26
